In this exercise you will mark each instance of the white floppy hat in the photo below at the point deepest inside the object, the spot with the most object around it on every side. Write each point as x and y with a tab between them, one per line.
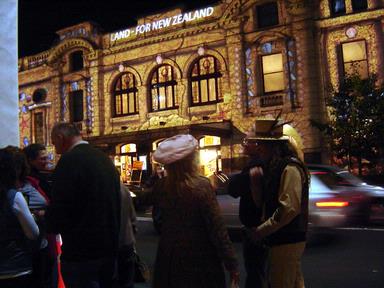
175	148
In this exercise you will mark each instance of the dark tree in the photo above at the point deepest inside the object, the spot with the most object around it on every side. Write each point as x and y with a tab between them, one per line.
355	125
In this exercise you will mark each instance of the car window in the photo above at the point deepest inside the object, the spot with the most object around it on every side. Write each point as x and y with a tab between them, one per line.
350	178
316	185
332	179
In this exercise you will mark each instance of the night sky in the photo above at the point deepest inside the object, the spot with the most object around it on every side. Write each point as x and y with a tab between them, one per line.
40	19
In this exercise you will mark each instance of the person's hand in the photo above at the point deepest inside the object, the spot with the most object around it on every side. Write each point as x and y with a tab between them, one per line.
38	213
235	278
255	177
253	234
256	173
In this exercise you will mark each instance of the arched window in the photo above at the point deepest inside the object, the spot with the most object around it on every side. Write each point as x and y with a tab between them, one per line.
125	95
76	61
163	88
205	81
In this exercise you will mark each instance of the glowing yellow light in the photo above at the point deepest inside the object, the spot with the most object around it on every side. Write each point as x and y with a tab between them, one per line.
332	204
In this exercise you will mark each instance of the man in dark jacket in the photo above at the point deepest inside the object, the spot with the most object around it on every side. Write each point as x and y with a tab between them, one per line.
85	209
255	253
281	181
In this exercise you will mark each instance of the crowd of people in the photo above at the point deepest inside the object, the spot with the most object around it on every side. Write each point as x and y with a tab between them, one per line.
84	206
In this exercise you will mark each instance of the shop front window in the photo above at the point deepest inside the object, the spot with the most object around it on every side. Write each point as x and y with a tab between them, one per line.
125	160
210	155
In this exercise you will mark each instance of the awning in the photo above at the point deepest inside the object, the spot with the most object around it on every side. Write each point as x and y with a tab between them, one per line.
220	129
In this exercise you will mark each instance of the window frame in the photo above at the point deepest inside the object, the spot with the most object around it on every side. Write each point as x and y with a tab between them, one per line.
259	15
172	84
72	61
129	91
357	9
355	61
338	13
216	75
263	74
72	104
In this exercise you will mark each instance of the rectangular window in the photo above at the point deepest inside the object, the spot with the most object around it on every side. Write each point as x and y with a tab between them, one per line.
355	59
38	127
273	73
125	103
267	15
118	104
76	104
359	5
337	7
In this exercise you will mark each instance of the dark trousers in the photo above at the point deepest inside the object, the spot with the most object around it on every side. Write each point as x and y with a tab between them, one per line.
126	266
88	274
44	269
256	264
24	281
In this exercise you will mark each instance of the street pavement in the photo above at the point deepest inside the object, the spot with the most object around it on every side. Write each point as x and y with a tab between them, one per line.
350	258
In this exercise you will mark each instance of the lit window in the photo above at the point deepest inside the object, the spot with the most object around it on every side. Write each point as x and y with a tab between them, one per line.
163	88
267	15
355	59
273	74
128	148
210	154
337	7
205	81
38	127
125	95
209	141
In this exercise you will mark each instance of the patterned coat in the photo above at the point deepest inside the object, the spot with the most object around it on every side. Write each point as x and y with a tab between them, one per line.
194	242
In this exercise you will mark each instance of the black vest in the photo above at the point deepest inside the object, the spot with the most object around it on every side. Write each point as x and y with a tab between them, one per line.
296	230
239	186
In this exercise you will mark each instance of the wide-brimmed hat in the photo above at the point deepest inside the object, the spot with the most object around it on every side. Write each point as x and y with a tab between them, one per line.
268	130
175	148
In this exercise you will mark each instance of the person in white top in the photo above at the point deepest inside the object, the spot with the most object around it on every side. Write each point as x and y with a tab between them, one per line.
17	226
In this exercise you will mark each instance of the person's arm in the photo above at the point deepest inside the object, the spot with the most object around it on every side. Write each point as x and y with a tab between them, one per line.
238	183
289	202
25	217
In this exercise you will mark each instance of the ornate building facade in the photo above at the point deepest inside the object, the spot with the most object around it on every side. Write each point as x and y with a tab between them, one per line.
209	72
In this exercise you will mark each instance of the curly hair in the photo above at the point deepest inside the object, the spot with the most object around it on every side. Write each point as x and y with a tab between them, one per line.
8	173
32	150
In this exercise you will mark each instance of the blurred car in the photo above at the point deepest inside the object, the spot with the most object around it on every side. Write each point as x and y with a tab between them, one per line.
337	198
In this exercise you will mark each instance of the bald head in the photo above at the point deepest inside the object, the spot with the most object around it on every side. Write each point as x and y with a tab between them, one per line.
64	135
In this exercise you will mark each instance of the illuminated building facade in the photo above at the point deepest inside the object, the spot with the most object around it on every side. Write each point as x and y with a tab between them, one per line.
209	72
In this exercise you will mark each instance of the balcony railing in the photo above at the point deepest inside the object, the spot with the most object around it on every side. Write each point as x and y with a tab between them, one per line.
271	100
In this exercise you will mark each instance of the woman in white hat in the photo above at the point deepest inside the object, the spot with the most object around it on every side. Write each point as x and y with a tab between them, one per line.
194	242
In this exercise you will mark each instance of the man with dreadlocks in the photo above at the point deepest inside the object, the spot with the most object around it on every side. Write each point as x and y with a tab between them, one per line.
280	182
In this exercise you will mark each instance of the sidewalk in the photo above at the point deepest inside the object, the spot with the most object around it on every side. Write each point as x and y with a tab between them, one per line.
142	285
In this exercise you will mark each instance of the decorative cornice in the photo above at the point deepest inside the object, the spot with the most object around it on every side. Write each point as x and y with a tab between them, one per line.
158	39
350	18
60	49
231	13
